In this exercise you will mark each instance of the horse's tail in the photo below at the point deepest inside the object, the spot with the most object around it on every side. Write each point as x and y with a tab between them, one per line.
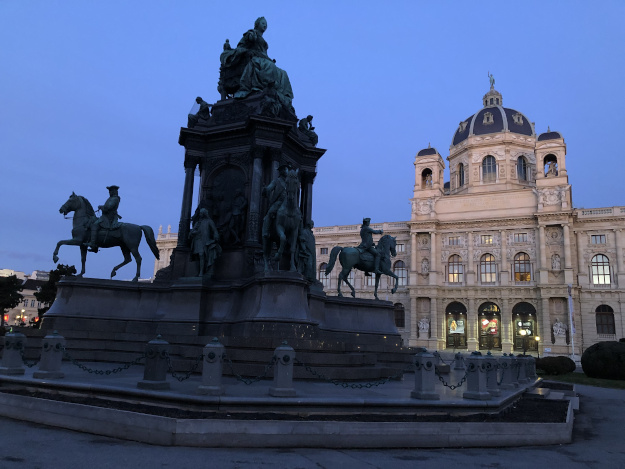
149	237
333	255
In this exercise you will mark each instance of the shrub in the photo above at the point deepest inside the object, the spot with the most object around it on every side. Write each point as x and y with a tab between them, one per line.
555	365
605	360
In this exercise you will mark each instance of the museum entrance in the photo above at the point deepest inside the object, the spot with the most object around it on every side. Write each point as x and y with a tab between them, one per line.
456	325
490	326
524	320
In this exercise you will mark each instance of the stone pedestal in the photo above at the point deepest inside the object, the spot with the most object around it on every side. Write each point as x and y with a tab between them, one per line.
12	363
283	372
508	372
156	366
212	369
52	348
425	376
522	375
492	368
476	378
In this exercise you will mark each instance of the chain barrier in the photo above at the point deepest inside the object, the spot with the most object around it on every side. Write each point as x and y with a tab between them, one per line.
452	386
438	355
119	369
188	374
28	364
503	372
249	381
345	384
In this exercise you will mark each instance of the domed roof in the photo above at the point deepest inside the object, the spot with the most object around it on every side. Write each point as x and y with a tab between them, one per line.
549	135
493	118
427	151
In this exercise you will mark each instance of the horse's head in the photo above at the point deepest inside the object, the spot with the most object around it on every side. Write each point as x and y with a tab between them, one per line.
387	243
72	204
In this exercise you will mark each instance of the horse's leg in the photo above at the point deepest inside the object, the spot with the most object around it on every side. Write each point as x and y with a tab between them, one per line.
127	260
345	272
340	279
282	235
64	242
293	243
267	252
83	259
377	282
137	256
390	273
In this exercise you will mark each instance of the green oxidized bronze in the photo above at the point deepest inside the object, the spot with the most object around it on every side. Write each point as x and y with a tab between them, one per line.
305	126
205	243
306	253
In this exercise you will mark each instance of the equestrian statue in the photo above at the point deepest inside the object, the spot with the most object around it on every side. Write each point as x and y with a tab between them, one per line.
91	232
366	257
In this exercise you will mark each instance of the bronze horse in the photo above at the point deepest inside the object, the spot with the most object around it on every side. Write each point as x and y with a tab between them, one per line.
353	258
286	224
127	236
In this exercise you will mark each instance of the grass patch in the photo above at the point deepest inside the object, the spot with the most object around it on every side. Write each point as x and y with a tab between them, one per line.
581	378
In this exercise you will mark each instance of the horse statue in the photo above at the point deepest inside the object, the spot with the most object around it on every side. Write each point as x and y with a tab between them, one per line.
351	258
127	236
285	227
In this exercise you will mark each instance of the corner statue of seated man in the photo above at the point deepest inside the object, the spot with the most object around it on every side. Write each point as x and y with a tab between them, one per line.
367	243
259	70
109	219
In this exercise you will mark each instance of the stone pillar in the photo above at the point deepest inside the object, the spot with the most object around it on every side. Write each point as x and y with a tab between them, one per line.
504	276
508	378
546	324
14	344
620	274
470	263
568	266
507	330
472	339
283	372
253	224
582	272
187	201
543	270
413	252
491	375
212	369
434	330
425	376
433	258
52	348
412	341
476	378
156	366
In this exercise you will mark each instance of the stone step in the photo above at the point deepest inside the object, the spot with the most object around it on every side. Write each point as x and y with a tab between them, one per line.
540	393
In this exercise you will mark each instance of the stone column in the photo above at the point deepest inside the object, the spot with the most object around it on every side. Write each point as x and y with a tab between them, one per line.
472	339
506	326
253	225
470	264
307	196
546	324
568	266
412	340
504	275
543	269
187	201
620	270
582	272
433	258
434	332
413	259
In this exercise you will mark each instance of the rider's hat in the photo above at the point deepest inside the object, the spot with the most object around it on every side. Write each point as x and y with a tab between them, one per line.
112	188
366	220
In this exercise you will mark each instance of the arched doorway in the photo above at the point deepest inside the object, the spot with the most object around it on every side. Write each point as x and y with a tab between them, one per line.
456	325
489	318
524	327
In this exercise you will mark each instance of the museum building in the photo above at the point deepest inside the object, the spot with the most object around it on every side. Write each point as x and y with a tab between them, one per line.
496	258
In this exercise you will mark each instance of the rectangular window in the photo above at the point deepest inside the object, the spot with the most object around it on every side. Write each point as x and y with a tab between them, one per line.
456	273
454	240
597	239
400	248
370	280
520	237
32	303
25	303
323	250
487	239
605	323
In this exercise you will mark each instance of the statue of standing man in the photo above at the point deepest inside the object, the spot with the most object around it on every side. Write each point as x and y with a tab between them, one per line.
367	243
205	242
276	191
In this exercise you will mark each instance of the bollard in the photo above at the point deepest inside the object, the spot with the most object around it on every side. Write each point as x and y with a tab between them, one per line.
283	372
515	363
52	348
508	372
12	363
212	369
155	371
531	373
476	378
492	367
424	376
523	378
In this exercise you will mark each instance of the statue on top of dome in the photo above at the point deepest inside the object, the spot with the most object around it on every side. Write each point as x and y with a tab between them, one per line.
492	80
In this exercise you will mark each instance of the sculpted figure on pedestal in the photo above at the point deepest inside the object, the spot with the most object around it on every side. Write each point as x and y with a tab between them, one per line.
203	113
559	328
306	254
305	127
205	242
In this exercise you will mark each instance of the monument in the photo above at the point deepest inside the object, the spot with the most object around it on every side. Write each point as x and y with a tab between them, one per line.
244	266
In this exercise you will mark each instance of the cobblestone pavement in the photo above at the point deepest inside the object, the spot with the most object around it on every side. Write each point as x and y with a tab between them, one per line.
598	443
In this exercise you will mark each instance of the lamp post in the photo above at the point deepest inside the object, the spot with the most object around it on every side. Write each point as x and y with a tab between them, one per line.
537	339
523	333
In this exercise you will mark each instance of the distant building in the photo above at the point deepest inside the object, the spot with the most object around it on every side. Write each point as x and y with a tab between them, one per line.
27	309
486	260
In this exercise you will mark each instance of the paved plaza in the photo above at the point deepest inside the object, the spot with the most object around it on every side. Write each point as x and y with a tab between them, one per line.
598	443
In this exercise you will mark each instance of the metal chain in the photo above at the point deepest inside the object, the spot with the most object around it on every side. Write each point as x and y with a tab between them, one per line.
249	381
503	372
344	384
451	386
438	355
188	374
31	364
102	372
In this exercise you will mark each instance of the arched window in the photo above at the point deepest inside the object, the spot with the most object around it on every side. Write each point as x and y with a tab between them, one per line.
605	320
522	268
456	325
400	315
524	326
521	169
399	269
488	269
455	269
600	270
460	175
489	169
489	326
325	280
551	165
426	178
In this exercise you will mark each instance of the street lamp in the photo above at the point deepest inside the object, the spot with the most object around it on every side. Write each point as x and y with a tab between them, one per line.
537	339
523	333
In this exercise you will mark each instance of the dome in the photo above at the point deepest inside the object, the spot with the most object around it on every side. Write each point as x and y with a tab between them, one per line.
493	118
427	151
549	135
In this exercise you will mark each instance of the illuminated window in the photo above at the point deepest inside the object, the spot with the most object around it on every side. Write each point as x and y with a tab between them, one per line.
455	269
600	270
522	268
486	239
488	269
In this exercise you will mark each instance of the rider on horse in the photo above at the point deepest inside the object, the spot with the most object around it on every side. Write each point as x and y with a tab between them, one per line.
108	220
368	245
277	193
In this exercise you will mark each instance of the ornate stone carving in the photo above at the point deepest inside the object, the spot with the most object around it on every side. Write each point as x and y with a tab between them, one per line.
423	207
554	235
423	240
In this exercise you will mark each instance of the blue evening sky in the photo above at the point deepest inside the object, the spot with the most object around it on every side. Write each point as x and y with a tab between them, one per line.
94	93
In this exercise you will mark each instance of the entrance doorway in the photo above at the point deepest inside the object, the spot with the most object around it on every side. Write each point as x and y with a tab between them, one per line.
524	321
489	317
456	325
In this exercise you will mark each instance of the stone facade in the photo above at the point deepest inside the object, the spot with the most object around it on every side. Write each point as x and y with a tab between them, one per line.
495	257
